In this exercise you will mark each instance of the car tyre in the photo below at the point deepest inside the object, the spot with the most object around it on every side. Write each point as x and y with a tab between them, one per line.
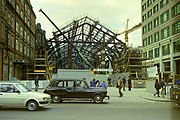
98	98
56	99
32	105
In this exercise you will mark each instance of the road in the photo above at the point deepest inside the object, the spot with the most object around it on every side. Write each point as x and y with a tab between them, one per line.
130	107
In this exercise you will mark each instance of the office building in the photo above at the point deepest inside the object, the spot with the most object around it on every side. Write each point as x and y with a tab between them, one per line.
161	35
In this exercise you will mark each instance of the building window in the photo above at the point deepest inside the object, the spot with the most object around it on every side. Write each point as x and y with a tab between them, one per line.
166	50
149	13
25	52
150	40
175	10
156	22
149	2
155	8
12	21
3	6
17	44
12	38
9	18
145	55
25	19
144	7
156	37
22	14
17	26
177	46
21	31
167	66
9	39
176	28
156	52
165	33
150	54
163	3
21	47
144	42
17	8
144	30
150	26
165	17
28	23
28	38
25	35
29	12
143	17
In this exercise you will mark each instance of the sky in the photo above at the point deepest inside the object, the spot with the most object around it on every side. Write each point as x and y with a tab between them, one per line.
113	14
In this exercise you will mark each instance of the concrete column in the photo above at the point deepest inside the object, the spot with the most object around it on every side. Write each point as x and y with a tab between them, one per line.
172	62
161	65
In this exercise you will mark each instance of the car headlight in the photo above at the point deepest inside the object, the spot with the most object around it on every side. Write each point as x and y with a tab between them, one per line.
45	98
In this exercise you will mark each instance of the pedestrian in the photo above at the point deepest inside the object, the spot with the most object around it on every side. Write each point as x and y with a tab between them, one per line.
157	87
129	84
90	83
124	83
94	83
163	87
119	86
109	82
103	85
36	82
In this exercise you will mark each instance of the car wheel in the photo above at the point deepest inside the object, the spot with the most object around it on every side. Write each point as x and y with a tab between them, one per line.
98	98
32	105
56	99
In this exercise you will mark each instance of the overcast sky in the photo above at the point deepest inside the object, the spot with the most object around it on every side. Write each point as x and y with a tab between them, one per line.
111	13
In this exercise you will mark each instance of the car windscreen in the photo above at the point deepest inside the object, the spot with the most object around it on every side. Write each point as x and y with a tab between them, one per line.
23	88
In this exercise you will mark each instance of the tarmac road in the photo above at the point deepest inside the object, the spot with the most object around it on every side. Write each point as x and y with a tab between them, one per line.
130	107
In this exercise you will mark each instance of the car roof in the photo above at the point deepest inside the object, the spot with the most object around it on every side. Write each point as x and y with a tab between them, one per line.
9	82
66	79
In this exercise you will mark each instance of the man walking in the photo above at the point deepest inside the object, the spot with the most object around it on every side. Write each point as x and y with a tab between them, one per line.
119	86
124	83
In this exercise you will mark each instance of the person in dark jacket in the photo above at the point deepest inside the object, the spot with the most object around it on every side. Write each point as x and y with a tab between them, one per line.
36	82
124	83
157	87
129	84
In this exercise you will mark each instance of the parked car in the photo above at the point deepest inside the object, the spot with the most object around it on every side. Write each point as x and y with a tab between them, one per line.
16	94
65	89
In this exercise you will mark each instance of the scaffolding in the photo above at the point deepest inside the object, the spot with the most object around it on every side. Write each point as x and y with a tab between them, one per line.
83	44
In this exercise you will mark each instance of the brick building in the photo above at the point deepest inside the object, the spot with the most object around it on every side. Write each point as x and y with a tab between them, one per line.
17	38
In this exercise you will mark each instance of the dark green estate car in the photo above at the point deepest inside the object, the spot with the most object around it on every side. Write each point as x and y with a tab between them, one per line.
68	89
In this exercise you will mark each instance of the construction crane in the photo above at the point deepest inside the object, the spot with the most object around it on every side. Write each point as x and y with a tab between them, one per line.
127	31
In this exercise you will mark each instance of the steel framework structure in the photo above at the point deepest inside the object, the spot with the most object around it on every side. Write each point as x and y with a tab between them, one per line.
84	44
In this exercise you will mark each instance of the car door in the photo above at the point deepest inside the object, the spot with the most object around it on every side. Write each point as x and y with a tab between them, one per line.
82	90
9	95
69	85
58	88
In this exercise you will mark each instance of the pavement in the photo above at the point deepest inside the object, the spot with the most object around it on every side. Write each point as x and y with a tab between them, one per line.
135	94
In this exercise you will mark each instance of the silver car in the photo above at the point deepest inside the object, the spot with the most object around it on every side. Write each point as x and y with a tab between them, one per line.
18	95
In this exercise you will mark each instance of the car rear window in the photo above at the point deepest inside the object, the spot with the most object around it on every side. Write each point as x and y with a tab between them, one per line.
69	83
7	88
